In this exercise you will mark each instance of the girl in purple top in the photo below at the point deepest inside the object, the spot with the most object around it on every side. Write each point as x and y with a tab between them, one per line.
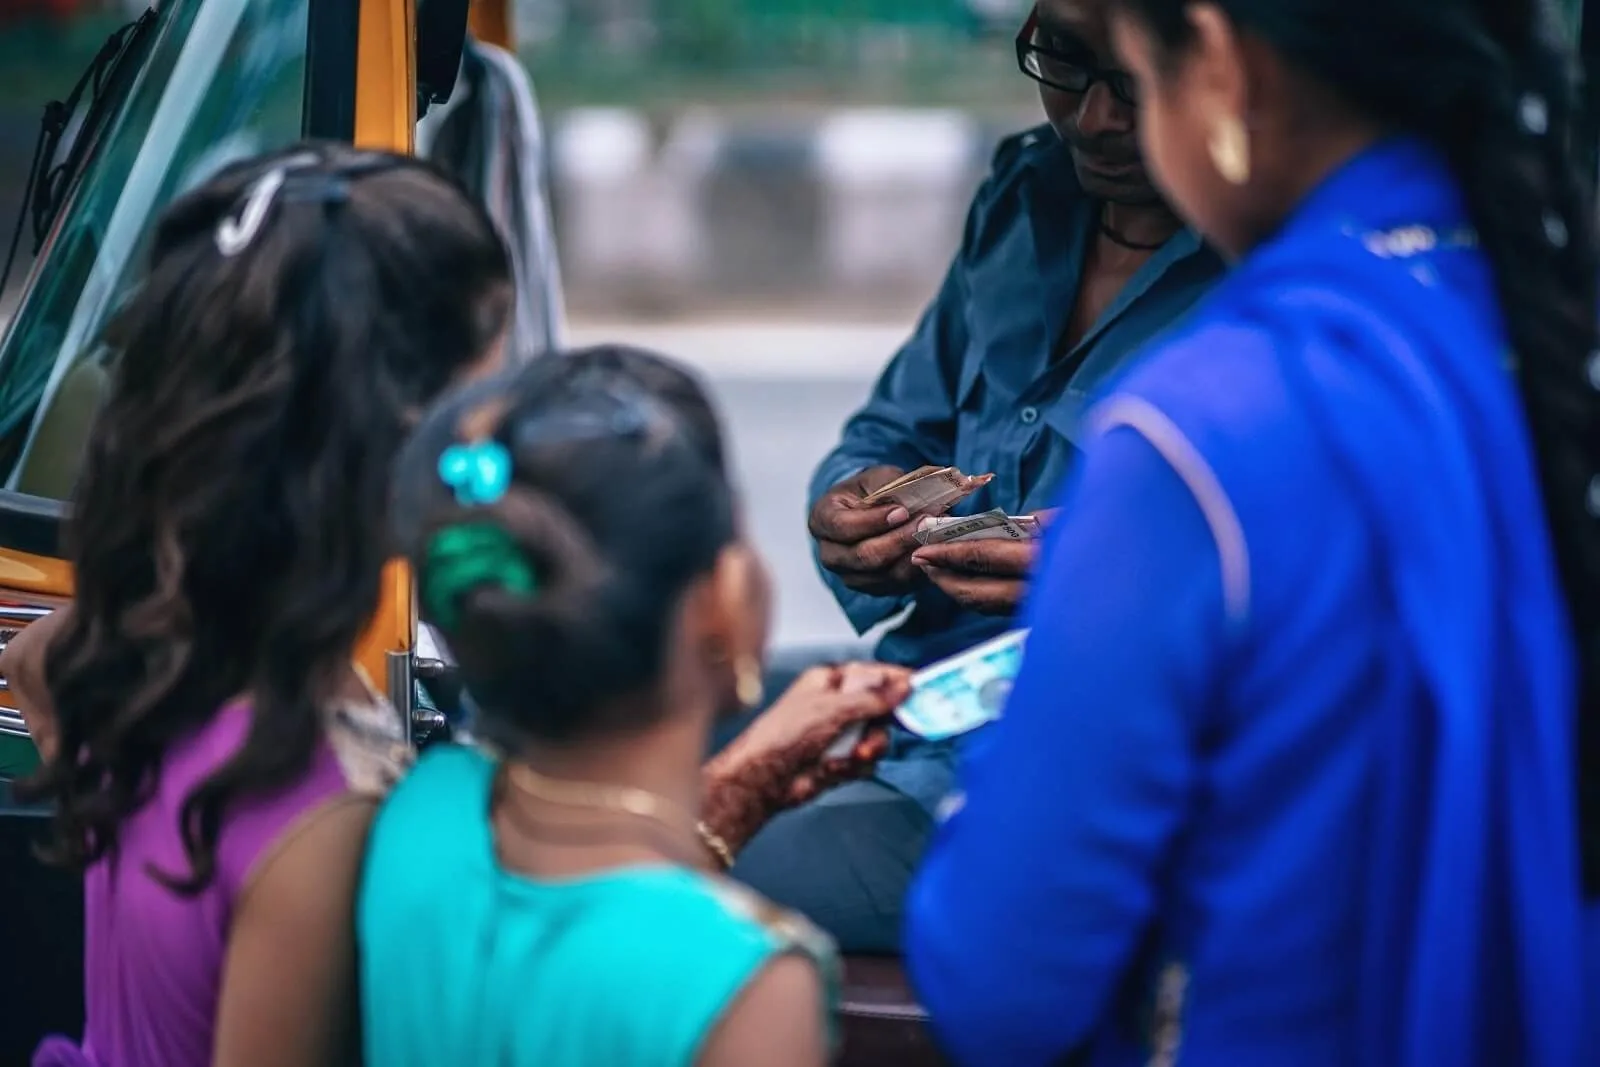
215	754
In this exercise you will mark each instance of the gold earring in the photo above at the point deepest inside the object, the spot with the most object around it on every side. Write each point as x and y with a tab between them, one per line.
747	683
1230	150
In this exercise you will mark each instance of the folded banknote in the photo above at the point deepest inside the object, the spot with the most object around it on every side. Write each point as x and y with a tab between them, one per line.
993	525
928	490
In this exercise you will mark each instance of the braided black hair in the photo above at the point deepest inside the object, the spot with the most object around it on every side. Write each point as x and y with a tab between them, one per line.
1493	85
618	501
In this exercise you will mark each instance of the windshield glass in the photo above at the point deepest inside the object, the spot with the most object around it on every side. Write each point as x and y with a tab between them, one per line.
223	79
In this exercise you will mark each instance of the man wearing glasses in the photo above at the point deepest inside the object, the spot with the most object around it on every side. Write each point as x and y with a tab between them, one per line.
1070	262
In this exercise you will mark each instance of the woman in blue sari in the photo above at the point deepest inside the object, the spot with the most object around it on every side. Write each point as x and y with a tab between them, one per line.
1287	777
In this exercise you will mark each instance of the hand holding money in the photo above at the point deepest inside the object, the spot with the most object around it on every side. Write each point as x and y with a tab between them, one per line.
789	754
986	576
929	490
865	533
993	525
956	695
868	548
864	526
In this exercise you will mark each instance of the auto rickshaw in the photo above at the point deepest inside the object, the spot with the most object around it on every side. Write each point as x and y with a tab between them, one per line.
173	96
179	92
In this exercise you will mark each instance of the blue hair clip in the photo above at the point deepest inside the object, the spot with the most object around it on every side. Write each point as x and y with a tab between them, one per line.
480	473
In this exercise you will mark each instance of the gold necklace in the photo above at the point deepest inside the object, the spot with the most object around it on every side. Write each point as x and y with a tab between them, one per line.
621	799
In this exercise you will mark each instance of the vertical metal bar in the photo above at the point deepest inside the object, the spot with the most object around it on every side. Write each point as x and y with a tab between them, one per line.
403	692
332	39
1585	23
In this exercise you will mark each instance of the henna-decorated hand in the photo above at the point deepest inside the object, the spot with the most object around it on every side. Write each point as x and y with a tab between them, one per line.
782	759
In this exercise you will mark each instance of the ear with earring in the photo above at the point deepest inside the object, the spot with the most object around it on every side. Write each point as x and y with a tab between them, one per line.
1229	145
740	584
749	681
748	686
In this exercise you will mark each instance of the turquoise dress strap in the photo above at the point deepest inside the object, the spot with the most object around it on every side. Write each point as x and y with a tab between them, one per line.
465	962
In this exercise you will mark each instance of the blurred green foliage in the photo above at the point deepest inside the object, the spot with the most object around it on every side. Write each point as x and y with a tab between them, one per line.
766	52
678	53
41	59
1573	9
664	54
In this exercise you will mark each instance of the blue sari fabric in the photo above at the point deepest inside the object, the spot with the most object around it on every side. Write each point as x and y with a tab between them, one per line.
1287	776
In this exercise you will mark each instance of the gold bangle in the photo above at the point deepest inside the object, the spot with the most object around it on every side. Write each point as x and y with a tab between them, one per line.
715	845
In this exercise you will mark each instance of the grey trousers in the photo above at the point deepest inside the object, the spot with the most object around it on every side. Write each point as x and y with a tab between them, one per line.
846	859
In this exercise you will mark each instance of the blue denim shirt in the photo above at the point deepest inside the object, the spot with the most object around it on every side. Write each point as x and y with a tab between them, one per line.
976	385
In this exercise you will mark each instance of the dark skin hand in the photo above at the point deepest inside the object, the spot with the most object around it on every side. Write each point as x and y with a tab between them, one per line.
780	761
869	548
989	577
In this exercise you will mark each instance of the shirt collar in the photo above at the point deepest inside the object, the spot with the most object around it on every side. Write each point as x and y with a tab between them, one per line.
1063	219
1057	178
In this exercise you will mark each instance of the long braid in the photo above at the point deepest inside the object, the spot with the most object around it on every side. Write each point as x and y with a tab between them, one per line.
1492	85
1518	166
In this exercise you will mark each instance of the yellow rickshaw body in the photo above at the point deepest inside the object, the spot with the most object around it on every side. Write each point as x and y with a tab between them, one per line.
491	22
360	85
386	118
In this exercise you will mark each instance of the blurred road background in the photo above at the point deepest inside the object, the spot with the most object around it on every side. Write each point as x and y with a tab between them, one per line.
768	189
783	390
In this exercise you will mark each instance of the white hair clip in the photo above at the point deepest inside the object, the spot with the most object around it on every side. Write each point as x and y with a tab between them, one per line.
235	233
1594	370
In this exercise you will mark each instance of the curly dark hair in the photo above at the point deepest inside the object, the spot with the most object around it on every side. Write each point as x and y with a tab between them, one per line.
230	528
619	499
1459	74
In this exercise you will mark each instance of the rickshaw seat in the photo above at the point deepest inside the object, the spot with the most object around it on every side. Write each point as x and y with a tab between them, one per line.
42	989
51	467
882	1023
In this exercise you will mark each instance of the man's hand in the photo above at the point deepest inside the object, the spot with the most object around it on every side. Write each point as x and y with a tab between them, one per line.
869	548
989	577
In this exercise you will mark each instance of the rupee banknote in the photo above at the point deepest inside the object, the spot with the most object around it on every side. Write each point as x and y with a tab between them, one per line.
993	525
954	696
928	490
960	694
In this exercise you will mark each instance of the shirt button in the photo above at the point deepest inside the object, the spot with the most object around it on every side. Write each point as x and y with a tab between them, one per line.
1029	416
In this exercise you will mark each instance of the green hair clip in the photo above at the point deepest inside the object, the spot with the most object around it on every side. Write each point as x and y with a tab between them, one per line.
462	557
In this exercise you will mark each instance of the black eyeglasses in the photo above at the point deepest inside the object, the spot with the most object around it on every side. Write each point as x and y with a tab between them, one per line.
1068	73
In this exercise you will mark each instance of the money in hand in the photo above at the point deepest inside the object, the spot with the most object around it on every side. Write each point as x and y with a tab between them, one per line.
993	525
960	694
928	490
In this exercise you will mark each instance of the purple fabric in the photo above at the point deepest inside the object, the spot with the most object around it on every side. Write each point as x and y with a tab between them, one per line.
153	959
60	1052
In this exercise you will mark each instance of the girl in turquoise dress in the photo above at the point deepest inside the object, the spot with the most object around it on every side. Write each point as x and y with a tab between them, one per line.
541	900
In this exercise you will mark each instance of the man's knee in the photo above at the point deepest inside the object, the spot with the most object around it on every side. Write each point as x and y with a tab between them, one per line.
844	860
